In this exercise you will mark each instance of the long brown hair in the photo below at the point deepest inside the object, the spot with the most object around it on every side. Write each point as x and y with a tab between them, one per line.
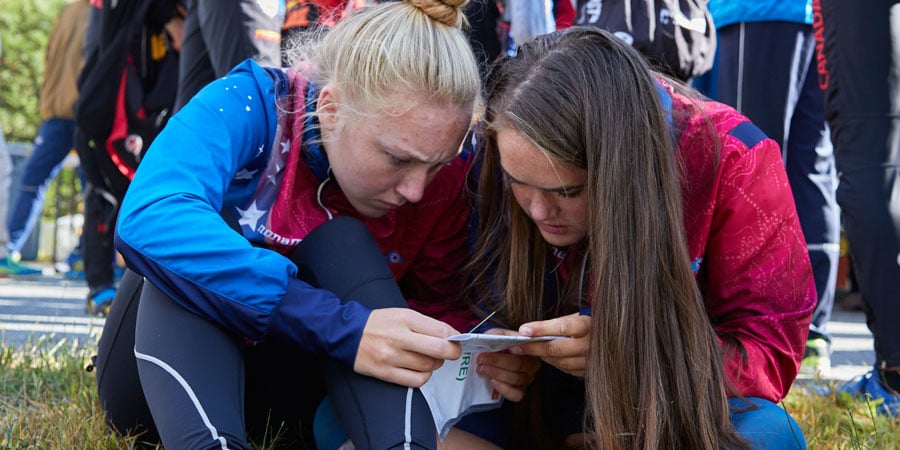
654	375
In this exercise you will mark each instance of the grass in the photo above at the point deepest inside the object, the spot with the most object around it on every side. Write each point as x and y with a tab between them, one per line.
838	421
48	401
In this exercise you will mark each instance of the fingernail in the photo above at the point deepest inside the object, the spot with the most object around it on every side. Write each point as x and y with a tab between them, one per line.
525	331
515	350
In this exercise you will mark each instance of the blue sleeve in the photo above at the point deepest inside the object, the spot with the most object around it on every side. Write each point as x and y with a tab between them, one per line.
170	230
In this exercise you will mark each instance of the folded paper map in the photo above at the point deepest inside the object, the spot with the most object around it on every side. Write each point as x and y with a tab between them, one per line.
478	342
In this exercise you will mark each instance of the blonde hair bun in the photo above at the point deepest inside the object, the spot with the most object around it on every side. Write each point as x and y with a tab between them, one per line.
447	12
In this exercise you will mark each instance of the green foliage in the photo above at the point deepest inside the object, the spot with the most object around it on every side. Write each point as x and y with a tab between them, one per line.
63	197
25	26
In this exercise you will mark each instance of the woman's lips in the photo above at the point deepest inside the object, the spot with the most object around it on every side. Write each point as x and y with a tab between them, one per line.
552	228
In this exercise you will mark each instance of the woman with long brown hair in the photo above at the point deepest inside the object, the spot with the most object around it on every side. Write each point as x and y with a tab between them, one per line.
656	230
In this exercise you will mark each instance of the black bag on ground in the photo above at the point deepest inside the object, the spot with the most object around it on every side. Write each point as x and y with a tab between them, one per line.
677	36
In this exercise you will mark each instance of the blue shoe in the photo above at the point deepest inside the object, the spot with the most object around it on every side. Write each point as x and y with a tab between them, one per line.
74	256
76	266
74	274
870	385
11	266
98	302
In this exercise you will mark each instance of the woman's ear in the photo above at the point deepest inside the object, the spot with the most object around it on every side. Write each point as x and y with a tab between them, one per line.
327	109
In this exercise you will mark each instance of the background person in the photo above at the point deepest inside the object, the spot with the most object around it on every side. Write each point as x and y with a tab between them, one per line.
859	52
126	93
62	63
5	178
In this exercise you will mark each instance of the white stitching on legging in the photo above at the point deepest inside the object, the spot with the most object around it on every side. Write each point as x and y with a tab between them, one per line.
408	423
190	392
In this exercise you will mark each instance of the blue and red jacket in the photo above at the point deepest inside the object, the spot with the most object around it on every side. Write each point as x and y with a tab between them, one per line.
238	148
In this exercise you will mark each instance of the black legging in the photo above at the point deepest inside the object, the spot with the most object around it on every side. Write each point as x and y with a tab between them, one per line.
239	387
197	376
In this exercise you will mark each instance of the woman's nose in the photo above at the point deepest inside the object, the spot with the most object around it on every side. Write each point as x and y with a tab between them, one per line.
412	186
541	207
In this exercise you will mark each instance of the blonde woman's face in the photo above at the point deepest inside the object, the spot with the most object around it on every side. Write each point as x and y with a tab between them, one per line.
382	162
551	193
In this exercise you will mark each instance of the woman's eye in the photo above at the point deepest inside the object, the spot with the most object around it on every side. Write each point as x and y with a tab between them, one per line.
573	193
397	161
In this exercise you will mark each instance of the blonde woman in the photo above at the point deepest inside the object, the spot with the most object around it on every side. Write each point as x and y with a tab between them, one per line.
213	326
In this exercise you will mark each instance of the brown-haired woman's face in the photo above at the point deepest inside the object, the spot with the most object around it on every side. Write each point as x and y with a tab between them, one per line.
551	193
384	161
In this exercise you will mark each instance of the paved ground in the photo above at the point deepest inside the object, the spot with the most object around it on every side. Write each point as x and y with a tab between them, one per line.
53	306
50	306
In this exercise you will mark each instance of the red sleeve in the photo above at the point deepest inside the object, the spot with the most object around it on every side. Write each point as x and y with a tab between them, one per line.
756	274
